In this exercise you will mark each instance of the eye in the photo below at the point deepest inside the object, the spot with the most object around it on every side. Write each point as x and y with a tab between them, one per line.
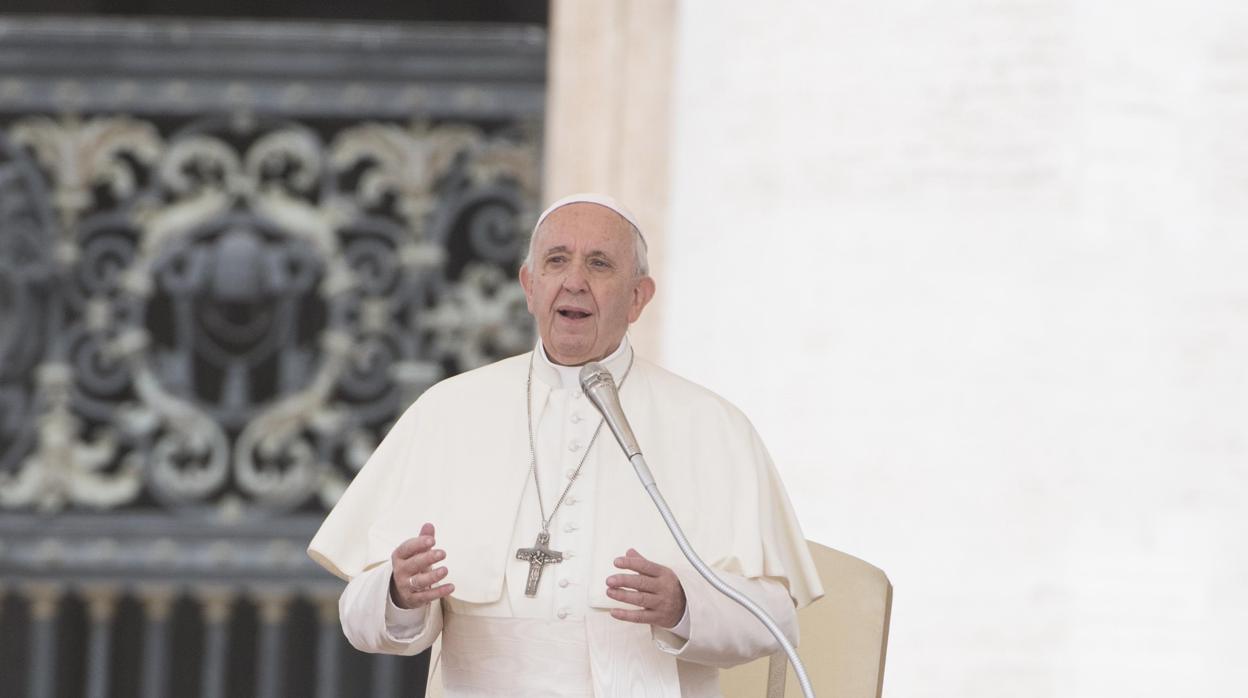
599	264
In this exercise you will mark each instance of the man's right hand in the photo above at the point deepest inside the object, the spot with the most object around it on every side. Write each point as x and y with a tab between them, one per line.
413	582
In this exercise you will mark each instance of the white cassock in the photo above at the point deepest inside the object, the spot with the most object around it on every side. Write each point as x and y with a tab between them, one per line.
459	458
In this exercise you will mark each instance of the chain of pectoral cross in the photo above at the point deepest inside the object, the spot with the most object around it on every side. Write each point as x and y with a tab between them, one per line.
540	554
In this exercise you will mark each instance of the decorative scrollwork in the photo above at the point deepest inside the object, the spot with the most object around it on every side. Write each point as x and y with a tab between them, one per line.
244	309
66	467
108	152
27	275
480	318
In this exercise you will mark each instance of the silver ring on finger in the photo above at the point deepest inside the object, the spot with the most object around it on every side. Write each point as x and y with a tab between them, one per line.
411	582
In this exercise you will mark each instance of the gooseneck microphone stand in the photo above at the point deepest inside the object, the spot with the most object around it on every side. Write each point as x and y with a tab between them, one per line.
598	384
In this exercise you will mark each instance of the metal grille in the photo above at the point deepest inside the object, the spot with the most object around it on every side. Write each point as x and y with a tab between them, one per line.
230	255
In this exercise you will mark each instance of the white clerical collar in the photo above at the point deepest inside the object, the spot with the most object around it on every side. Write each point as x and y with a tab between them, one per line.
569	377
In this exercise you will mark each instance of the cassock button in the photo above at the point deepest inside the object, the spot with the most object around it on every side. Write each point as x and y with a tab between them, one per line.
571	473
568	554
574	446
576	417
563	613
563	583
570	500
569	527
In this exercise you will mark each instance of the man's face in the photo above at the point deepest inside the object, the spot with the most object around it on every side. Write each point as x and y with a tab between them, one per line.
583	290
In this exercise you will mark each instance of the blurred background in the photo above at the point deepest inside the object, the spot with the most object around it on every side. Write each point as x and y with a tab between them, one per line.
974	268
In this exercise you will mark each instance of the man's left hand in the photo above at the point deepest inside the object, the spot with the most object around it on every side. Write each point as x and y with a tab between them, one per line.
654	588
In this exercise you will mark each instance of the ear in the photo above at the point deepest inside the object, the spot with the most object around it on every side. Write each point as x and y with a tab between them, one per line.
526	283
642	293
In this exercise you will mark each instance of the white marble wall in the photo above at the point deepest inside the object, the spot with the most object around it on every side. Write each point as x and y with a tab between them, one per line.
978	271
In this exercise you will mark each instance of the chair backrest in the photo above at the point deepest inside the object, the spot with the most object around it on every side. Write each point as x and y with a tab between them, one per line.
844	637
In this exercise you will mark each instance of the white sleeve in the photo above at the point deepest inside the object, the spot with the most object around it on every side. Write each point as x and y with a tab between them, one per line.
721	633
681	629
370	626
404	623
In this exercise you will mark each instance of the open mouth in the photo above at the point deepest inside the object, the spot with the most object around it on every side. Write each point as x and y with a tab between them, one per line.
573	314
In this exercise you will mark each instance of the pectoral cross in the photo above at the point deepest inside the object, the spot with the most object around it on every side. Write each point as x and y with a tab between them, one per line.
538	557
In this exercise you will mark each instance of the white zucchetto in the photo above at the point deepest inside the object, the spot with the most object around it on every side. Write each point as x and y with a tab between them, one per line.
591	198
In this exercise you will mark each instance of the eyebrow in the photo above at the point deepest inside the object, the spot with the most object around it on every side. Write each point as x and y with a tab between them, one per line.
566	250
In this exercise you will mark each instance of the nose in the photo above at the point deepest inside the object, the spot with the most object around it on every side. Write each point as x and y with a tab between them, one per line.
574	281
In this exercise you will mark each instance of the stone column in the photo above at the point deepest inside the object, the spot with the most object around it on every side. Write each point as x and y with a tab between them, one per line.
328	647
385	676
44	597
157	604
101	609
608	117
270	666
215	603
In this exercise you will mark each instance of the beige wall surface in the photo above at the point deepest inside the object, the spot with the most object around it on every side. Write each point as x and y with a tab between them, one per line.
608	117
976	270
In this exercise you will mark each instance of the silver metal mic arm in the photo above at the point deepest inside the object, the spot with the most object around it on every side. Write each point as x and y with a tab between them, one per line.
599	386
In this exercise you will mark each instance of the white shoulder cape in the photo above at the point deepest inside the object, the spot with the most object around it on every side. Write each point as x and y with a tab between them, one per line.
459	456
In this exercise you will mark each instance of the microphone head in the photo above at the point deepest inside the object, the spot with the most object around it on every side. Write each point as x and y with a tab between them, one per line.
595	375
599	387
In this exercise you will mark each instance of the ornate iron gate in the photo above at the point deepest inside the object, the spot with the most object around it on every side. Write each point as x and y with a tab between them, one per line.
230	254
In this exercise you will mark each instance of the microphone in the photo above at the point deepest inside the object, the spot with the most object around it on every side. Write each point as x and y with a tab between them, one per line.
600	388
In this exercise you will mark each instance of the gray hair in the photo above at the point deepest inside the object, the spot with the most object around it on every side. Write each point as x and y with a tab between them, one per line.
641	265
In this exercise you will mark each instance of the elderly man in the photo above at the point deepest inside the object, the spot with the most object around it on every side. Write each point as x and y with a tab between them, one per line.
497	515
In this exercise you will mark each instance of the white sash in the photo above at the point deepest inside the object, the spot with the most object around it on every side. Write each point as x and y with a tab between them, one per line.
485	657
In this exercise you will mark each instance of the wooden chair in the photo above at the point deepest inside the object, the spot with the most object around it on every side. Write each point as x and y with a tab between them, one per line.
843	640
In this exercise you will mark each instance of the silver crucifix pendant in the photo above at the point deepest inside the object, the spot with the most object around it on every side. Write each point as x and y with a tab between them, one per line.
538	557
